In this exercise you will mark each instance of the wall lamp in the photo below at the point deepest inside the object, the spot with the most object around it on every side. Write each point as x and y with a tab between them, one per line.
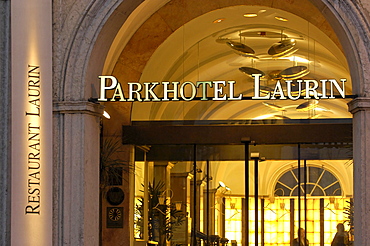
222	185
106	115
178	205
95	100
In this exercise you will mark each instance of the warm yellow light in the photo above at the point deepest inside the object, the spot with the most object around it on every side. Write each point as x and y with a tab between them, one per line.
178	205
219	20
250	15
161	199
296	59
262	117
106	115
281	18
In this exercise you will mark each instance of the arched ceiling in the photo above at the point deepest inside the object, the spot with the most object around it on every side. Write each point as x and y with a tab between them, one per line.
197	51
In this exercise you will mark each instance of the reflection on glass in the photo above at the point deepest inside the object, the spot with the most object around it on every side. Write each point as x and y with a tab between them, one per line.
327	190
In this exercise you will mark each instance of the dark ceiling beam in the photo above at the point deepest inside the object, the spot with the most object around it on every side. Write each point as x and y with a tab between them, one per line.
261	134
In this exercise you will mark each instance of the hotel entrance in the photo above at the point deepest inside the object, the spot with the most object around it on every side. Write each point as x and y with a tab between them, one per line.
237	127
200	190
232	122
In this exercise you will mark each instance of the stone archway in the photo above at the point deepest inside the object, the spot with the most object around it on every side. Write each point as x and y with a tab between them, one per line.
83	34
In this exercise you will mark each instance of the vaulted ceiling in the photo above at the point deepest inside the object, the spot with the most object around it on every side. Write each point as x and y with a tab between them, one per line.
188	42
199	51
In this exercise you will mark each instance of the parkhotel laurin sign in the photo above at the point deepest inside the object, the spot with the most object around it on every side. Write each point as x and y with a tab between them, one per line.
32	176
222	90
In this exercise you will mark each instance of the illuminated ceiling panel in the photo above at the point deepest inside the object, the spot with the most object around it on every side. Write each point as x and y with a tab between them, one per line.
201	51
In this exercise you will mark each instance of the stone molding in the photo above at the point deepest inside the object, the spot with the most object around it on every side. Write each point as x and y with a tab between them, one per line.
78	107
352	27
359	104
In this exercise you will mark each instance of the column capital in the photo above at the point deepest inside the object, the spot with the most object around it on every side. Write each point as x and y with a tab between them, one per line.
78	107
166	164
359	104
186	175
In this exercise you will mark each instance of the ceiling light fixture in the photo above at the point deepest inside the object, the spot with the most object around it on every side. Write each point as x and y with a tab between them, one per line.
219	20
250	15
283	48
281	18
294	72
241	49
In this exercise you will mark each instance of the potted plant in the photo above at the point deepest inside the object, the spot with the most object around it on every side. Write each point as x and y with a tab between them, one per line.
349	214
163	217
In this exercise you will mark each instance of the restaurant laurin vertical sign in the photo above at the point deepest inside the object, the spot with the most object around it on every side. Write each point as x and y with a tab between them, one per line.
31	35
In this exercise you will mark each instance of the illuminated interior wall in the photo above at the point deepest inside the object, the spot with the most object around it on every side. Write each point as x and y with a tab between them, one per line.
139	195
277	220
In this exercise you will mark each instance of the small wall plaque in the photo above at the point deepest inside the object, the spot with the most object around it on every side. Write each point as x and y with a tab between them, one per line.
114	217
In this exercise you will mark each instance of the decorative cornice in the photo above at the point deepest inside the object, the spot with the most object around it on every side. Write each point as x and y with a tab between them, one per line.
359	104
78	107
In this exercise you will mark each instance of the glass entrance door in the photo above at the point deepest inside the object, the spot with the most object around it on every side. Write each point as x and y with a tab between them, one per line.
290	186
308	187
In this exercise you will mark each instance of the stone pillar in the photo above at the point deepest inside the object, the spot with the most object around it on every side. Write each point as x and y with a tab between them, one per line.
180	185
76	173
212	215
162	172
360	108
198	201
5	122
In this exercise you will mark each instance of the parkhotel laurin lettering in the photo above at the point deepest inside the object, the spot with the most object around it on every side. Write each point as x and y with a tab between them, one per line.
222	90
33	131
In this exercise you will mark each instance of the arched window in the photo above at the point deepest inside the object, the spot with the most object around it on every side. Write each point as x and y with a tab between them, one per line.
320	182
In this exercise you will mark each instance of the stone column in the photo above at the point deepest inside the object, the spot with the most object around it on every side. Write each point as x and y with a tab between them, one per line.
180	185
360	108
162	172
76	173
199	205
212	215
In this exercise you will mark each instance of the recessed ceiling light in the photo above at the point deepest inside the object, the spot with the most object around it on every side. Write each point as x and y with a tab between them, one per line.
219	20
249	15
281	18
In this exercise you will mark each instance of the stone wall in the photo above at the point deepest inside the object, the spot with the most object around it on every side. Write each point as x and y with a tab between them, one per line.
5	109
